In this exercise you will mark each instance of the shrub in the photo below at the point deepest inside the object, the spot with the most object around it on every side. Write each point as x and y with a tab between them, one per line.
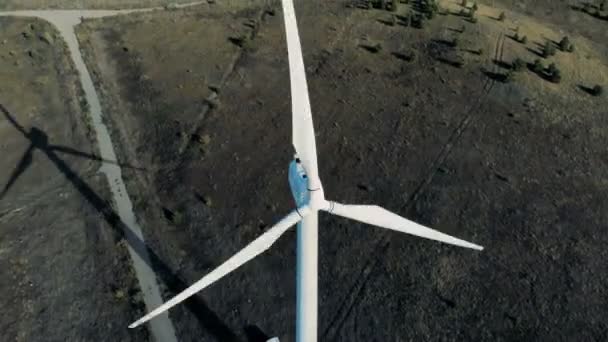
597	90
565	45
372	47
586	7
549	50
571	48
502	16
554	73
518	64
520	39
556	77
404	20
391	5
464	3
538	66
240	41
173	217
475	7
407	56
551	68
417	21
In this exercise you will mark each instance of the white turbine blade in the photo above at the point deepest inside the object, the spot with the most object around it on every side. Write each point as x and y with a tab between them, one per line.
255	248
377	216
302	126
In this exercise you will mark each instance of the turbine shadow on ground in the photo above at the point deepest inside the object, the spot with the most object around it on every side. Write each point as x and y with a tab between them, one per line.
208	319
255	334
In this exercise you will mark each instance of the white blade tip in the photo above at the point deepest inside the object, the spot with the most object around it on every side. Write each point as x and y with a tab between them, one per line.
133	325
477	247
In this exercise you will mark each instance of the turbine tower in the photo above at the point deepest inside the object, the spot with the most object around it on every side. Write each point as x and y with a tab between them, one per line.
307	191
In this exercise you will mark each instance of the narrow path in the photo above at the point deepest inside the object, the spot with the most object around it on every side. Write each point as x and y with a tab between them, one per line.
161	328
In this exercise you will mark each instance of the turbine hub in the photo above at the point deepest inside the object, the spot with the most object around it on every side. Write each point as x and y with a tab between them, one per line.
317	199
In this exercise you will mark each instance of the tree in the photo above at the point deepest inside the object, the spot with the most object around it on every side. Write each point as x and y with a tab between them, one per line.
523	40
475	7
554	73
391	5
433	6
538	66
502	16
587	7
471	13
518	64
549	50
520	39
416	20
392	20
566	45
464	3
420	21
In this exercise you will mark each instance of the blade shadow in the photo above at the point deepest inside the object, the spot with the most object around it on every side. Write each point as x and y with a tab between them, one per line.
71	151
255	334
25	161
12	120
207	318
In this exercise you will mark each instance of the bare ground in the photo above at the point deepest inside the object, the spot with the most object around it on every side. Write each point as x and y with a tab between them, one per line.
84	4
516	167
66	273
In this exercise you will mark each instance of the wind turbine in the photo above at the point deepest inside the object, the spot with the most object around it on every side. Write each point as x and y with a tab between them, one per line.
308	194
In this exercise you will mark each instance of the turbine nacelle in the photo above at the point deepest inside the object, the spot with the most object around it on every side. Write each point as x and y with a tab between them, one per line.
305	191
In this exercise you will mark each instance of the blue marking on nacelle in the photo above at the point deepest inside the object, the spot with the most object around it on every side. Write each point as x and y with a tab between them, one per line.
298	184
